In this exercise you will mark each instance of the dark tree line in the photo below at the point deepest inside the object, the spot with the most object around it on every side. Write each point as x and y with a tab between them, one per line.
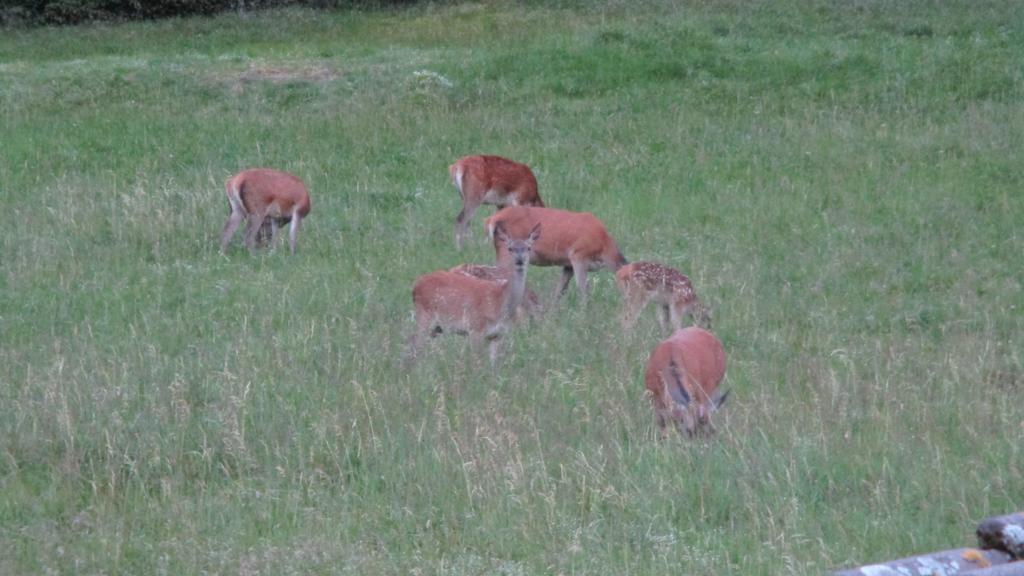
76	11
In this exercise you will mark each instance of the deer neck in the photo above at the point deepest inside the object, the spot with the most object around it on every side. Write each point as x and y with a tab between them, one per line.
513	293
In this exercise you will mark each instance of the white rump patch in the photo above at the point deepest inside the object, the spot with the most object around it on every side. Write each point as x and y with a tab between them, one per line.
458	178
235	199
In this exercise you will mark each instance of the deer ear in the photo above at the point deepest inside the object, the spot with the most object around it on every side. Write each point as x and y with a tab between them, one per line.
534	234
499	232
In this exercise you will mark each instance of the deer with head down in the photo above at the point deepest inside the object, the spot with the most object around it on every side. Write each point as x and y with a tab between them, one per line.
484	310
576	241
267	198
643	282
682	378
493	180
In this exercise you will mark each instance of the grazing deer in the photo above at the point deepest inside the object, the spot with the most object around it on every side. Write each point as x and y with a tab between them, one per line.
643	282
490	180
482	309
682	379
265	197
576	241
530	306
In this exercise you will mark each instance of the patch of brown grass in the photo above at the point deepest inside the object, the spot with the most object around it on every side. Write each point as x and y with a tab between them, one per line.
277	73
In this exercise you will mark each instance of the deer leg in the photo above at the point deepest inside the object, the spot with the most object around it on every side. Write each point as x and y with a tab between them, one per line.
580	270
462	220
530	307
266	234
293	231
634	304
476	347
495	350
700	315
691	309
255	223
234	219
563	283
709	429
659	420
666	318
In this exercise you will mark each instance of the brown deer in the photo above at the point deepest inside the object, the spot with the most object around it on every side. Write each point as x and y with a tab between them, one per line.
644	282
482	309
490	180
576	241
529	307
265	197
682	380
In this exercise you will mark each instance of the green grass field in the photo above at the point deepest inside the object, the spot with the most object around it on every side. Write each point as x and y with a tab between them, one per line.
843	181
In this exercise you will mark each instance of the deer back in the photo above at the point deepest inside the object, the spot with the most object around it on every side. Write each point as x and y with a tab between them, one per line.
531	302
566	234
663	282
458	301
275	193
510	182
692	358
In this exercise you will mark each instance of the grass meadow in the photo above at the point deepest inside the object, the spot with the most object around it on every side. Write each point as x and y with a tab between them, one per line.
842	181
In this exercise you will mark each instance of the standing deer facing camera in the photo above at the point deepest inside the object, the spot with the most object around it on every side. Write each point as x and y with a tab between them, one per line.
683	374
265	197
490	180
482	309
643	282
576	241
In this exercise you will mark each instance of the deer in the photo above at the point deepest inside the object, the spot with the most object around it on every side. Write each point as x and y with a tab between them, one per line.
643	282
682	378
493	180
529	307
484	310
576	241
267	198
